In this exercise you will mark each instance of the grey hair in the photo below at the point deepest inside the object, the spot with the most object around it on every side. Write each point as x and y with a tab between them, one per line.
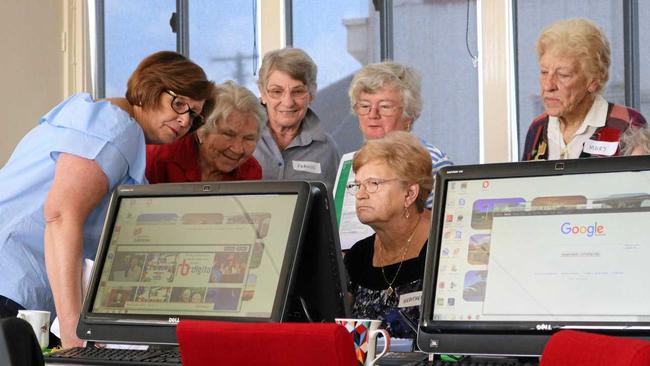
292	61
635	137
228	97
405	79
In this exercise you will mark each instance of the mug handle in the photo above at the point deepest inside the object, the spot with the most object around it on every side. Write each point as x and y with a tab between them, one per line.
386	345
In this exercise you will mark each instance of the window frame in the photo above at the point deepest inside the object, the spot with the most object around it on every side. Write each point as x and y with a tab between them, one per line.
499	140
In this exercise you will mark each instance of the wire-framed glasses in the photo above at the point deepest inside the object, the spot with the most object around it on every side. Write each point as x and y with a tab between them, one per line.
295	93
371	185
384	109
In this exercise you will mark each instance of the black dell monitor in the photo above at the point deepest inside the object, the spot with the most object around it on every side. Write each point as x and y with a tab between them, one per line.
265	251
518	251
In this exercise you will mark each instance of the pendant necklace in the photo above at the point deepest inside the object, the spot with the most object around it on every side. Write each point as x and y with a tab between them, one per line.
390	289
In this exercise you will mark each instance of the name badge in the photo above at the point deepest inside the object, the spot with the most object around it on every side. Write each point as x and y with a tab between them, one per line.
306	166
410	299
606	148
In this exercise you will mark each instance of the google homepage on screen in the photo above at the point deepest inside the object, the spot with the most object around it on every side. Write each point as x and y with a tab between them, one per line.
550	248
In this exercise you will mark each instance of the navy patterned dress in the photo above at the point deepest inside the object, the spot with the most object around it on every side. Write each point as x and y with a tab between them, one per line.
372	299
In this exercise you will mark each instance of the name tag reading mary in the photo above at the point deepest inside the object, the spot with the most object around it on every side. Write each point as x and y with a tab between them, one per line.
606	148
306	166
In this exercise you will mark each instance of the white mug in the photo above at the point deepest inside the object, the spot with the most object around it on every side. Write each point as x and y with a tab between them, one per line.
365	332
40	322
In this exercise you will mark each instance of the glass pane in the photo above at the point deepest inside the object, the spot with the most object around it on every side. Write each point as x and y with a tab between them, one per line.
222	40
133	30
431	36
644	56
532	17
340	39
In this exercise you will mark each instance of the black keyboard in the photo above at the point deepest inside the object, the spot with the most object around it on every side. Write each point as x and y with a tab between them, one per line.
111	356
403	359
487	361
422	359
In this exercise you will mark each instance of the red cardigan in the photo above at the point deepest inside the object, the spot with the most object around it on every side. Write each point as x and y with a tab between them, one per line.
178	162
619	118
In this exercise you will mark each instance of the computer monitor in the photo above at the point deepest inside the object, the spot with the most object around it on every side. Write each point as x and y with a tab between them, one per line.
518	251
215	251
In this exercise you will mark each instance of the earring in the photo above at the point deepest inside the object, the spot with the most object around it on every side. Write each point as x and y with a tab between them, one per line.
406	212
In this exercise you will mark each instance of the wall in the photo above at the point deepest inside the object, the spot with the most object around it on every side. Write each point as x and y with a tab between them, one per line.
32	64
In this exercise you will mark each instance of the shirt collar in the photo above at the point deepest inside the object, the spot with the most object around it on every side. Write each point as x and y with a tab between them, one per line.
596	116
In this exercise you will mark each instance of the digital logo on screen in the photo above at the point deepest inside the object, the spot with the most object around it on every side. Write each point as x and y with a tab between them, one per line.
596	229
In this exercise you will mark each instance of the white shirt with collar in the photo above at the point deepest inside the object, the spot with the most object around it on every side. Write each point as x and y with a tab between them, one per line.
596	118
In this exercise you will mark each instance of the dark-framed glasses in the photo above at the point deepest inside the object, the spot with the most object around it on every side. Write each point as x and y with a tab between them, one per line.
371	185
300	92
181	107
384	109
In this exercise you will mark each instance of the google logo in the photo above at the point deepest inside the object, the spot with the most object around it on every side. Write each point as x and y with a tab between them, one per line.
591	230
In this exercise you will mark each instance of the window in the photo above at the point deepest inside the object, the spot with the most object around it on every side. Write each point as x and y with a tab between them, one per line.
122	20
341	38
431	36
644	56
221	38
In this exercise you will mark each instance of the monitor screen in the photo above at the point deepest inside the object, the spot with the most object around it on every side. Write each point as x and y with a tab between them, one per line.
529	248
234	251
201	255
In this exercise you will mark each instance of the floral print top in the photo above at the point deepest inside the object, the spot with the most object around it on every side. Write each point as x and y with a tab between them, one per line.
372	297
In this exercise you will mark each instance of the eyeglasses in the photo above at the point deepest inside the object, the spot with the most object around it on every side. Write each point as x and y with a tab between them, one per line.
181	107
297	93
371	185
384	110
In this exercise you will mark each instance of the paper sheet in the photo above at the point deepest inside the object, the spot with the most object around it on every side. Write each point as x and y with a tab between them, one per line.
351	230
87	271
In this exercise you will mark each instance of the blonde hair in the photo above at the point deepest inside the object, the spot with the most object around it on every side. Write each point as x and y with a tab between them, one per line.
292	61
229	97
405	155
405	79
583	39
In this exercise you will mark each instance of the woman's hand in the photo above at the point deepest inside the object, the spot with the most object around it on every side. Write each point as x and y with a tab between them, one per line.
69	337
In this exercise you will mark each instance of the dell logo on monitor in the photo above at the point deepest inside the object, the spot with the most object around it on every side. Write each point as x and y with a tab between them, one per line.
174	320
543	327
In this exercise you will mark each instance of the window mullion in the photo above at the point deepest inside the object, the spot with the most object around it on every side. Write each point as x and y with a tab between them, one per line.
631	53
183	27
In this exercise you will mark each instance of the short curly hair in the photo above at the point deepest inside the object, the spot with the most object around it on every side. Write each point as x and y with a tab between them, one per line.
405	155
373	77
635	137
292	61
229	97
583	39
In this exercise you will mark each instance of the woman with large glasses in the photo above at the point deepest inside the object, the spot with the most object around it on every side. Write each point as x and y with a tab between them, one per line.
221	149
392	182
293	143
386	97
55	187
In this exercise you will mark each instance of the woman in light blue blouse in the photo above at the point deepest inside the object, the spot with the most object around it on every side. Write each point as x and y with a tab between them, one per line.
55	187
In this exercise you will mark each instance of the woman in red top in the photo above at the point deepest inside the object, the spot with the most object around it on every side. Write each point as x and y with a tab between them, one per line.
220	150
